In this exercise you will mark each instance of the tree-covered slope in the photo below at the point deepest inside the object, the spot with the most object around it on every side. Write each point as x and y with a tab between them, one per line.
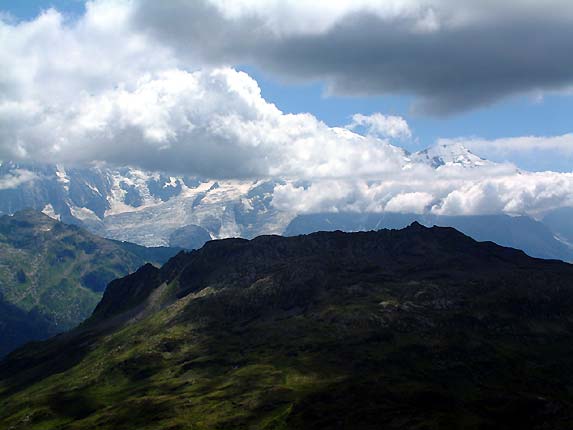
422	328
52	275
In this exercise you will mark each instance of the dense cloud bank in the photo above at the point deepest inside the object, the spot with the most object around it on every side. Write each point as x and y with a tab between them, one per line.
520	193
150	84
452	55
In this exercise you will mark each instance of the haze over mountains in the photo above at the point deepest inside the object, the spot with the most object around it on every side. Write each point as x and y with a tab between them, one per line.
417	328
157	209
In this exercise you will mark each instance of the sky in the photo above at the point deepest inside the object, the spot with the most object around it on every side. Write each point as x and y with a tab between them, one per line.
517	117
304	90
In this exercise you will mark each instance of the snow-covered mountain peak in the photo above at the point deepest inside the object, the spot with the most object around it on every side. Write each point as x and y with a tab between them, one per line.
449	154
144	207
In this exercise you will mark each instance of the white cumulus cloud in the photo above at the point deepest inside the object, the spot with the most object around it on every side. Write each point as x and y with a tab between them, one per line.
111	87
209	122
381	125
16	178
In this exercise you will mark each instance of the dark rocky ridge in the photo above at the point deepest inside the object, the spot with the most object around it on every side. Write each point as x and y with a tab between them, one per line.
542	240
415	253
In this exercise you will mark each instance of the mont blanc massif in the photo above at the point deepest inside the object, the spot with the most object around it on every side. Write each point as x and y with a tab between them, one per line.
156	209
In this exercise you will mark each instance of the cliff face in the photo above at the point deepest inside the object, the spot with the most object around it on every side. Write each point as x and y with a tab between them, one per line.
416	328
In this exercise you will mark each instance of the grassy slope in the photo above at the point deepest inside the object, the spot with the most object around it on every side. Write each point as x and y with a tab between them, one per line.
58	272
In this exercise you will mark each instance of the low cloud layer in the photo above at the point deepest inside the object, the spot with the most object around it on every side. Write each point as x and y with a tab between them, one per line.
440	193
15	178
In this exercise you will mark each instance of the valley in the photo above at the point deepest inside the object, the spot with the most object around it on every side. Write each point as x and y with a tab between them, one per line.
52	275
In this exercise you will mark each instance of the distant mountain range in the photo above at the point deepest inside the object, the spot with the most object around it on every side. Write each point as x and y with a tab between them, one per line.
413	328
52	275
144	207
157	209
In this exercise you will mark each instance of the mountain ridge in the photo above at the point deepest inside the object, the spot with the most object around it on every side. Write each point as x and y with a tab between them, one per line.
414	328
535	238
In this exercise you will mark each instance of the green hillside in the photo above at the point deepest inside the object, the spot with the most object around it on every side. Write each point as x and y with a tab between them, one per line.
52	275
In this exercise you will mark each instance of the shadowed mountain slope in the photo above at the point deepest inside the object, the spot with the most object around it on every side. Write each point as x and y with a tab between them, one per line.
422	328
